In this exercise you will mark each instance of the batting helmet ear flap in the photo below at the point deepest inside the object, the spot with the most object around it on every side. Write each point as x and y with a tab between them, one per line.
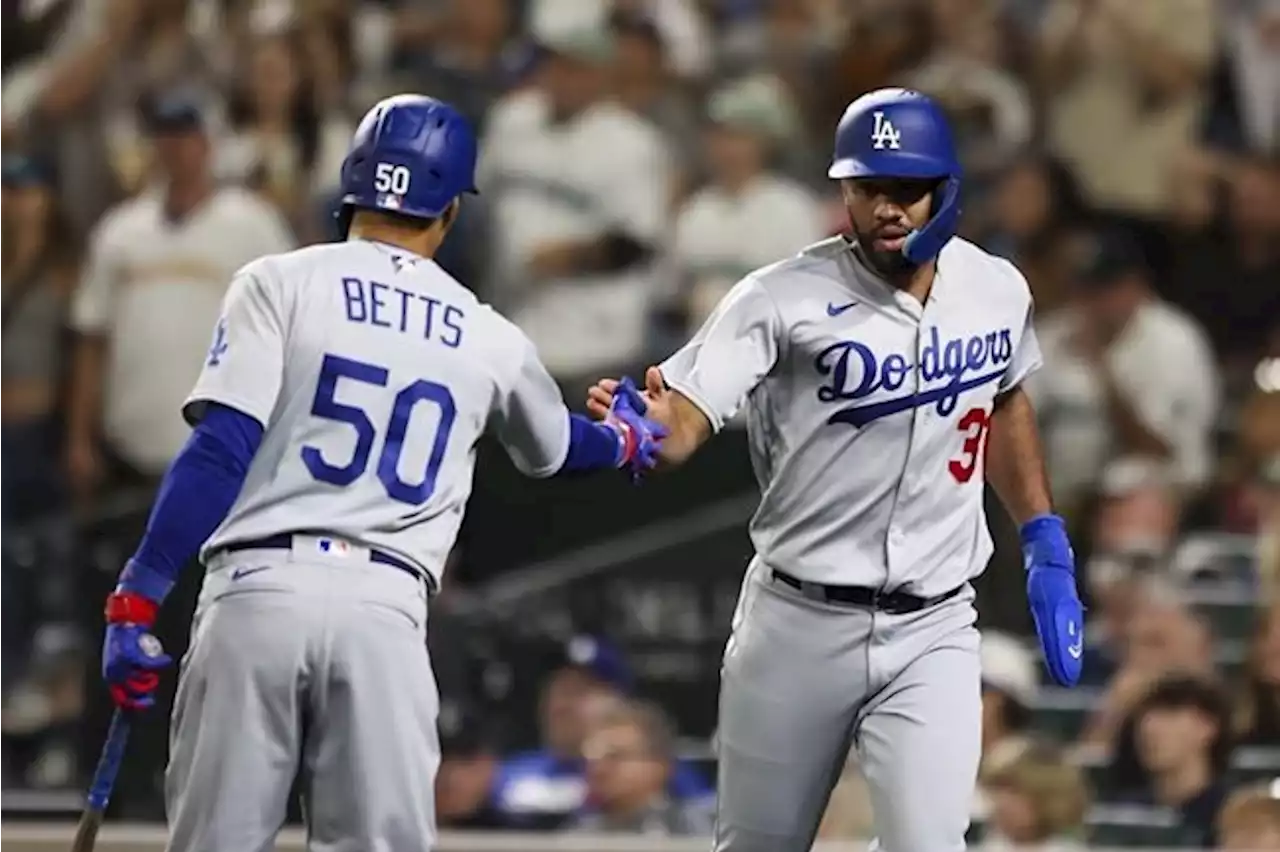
924	243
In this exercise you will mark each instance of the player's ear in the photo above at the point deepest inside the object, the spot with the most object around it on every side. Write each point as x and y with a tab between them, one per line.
451	215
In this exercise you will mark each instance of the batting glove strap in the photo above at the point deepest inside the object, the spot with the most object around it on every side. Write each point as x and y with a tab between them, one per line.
131	608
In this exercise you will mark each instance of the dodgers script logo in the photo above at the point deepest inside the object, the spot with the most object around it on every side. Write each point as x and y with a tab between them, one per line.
947	369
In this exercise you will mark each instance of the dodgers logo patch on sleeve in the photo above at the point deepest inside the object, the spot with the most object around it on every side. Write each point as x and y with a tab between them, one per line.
218	347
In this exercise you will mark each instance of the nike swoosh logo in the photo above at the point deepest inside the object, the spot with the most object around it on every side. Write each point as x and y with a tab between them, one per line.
241	573
834	310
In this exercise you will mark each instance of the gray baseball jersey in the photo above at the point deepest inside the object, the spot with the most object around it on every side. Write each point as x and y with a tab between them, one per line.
867	412
374	374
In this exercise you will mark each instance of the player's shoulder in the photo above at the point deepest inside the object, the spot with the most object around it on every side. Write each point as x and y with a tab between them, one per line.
973	267
818	261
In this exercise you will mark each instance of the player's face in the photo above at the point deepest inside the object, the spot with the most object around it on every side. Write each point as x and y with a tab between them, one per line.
882	213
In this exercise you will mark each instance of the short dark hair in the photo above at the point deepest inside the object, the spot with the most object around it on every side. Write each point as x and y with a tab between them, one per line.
400	220
1189	692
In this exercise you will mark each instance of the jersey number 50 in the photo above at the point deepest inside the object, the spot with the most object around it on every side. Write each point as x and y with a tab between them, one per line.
326	406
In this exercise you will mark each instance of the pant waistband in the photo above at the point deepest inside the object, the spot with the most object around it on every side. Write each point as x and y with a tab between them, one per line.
334	546
892	602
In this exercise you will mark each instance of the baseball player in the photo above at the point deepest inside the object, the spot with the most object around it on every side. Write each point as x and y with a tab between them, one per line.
336	421
882	383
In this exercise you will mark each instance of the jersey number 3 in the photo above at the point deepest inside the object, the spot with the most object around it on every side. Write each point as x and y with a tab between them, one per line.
326	406
974	425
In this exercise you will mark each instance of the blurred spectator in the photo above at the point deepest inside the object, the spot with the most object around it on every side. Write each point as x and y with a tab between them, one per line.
1009	685
1125	375
630	761
579	187
990	108
1038	802
1180	739
474	58
1257	717
84	90
1137	514
1243	113
158	268
39	259
282	142
748	216
1228	277
1123	83
541	789
468	765
40	264
1161	637
1250	819
1028	218
647	85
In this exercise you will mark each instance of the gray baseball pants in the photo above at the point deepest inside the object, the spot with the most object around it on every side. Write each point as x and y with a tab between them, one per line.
803	680
298	660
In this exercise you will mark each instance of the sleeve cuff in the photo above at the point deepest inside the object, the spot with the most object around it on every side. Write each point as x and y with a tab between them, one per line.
699	402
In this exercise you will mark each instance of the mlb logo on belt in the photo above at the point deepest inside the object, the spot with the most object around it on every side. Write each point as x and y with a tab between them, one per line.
333	548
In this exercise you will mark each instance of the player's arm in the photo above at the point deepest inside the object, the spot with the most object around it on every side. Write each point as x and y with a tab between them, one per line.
230	408
1015	468
700	388
545	439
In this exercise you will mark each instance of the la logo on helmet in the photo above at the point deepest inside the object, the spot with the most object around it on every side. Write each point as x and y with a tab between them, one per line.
884	134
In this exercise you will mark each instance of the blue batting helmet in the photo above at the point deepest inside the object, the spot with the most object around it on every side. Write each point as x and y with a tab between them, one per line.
898	133
411	155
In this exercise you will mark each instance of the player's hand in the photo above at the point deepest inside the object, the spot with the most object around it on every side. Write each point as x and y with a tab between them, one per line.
1051	593
642	436
656	398
132	656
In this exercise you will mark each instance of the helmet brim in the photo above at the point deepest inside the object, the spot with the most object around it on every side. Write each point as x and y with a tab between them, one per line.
896	165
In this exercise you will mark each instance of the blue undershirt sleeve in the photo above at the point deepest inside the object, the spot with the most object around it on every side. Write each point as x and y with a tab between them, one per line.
592	446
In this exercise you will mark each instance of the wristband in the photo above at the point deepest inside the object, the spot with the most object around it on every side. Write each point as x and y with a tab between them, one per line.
130	608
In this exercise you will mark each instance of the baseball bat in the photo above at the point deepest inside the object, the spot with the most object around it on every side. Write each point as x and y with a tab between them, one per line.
104	780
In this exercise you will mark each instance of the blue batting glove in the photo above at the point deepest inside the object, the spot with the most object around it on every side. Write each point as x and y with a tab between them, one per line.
640	436
132	656
1051	593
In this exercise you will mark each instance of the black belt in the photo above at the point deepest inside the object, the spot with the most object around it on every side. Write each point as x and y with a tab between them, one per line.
284	541
894	603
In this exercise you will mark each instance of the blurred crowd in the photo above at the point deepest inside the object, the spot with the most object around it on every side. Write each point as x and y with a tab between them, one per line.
638	157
